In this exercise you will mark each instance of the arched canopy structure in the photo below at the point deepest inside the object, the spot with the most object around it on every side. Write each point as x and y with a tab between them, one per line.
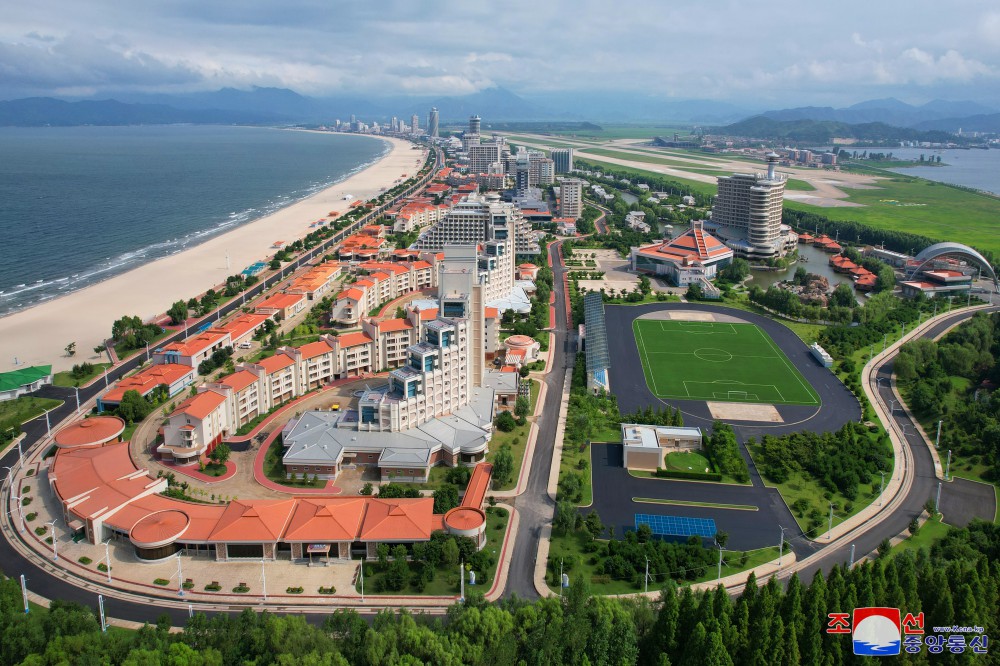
938	250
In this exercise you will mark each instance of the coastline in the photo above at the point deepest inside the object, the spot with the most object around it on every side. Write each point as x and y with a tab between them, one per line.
38	335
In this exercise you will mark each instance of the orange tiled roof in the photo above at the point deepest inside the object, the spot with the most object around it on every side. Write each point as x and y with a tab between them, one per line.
256	521
242	325
326	519
272	364
353	293
419	265
390	325
193	345
479	483
353	339
201	405
280	301
692	245
239	380
398	519
429	314
314	349
147	380
491	313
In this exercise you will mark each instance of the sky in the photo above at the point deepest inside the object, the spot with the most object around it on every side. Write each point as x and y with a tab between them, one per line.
778	53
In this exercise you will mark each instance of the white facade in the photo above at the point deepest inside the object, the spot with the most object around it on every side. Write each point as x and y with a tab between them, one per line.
571	198
477	219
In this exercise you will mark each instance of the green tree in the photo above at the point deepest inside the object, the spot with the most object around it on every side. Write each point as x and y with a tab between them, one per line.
178	312
503	466
565	517
521	406
220	454
70	349
133	407
505	422
445	498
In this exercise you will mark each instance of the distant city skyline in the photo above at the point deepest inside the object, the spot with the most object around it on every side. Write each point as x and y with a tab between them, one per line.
790	55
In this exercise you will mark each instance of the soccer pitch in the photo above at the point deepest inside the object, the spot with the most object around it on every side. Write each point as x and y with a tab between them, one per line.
689	360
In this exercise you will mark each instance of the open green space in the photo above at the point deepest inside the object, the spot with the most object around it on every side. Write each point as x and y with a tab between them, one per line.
518	440
929	533
275	470
915	205
687	461
66	378
717	361
15	412
710	505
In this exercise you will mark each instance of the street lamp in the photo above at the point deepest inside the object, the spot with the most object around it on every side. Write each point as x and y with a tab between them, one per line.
107	557
55	538
20	509
781	544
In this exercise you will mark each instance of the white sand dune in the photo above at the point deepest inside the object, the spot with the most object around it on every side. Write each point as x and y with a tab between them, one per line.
38	335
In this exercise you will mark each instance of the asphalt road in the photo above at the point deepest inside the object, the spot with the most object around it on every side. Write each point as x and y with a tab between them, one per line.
534	506
867	537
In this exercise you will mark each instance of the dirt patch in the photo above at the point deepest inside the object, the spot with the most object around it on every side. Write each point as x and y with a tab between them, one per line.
743	411
692	315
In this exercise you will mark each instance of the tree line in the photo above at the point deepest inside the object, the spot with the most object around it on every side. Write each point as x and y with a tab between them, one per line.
956	582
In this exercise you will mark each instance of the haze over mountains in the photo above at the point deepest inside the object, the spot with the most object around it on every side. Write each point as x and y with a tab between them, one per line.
283	106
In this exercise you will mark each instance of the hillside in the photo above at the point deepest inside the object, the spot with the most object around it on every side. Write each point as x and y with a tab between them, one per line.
823	131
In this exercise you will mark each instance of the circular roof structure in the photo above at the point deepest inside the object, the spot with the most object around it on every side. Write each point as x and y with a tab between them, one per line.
519	342
94	431
938	250
159	529
465	519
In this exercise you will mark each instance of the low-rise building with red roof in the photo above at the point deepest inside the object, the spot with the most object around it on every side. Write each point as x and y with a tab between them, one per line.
192	351
172	375
693	256
281	306
241	328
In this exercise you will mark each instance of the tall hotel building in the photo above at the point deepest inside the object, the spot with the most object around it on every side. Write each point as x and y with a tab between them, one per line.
747	213
480	219
563	158
571	198
432	122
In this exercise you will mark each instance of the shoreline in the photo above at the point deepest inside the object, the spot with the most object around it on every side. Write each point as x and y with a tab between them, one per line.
38	335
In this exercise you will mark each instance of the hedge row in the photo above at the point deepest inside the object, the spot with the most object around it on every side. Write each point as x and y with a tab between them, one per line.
684	474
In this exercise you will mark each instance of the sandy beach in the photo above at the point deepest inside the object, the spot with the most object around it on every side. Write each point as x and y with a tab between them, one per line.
38	335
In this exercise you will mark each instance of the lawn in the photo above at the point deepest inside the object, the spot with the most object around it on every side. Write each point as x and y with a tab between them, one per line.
15	412
931	531
66	378
805	498
446	582
518	440
687	461
919	206
717	361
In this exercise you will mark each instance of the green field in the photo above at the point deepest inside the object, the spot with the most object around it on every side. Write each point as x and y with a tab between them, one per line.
693	360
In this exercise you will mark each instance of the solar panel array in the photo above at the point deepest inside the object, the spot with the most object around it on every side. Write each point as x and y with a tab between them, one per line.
597	333
677	525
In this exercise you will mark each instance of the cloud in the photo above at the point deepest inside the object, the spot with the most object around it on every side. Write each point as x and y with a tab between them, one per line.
684	48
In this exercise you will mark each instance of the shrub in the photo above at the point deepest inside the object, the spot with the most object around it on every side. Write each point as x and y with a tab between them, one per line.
241	589
25	501
85	560
41	530
161	581
685	474
102	567
25	490
505	422
367	489
213	587
31	516
328	590
294	590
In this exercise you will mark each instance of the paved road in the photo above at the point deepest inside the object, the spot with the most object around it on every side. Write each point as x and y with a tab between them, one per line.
534	506
867	537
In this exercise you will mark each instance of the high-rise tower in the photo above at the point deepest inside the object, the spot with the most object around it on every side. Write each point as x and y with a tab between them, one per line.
747	212
474	124
432	122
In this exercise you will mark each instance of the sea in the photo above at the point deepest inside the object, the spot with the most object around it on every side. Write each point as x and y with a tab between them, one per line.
975	168
81	204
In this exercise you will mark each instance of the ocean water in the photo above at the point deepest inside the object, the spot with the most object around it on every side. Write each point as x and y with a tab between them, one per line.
978	169
81	204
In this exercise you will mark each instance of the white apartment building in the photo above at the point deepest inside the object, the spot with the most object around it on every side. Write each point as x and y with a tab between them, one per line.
480	217
483	156
546	171
571	198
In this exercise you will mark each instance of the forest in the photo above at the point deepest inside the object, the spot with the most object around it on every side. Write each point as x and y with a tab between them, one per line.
955	583
954	380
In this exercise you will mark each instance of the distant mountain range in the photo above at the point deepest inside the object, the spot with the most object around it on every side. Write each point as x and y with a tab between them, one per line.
934	115
823	131
499	105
